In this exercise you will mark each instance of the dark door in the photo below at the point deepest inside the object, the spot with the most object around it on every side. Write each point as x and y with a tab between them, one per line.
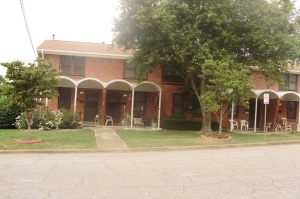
91	105
113	106
252	113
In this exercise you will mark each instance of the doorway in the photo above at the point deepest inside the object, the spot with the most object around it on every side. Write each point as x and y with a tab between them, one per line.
252	113
113	106
91	105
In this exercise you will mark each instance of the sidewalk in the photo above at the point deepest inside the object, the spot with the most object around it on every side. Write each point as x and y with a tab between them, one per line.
107	139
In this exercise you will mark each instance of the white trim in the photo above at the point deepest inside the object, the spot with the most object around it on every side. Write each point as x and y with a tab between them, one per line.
87	54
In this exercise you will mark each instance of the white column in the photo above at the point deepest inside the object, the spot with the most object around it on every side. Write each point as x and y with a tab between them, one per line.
132	107
75	99
159	109
255	116
231	123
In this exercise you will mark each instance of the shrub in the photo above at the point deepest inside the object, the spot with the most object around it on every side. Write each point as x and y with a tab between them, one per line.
183	124
51	120
69	120
7	118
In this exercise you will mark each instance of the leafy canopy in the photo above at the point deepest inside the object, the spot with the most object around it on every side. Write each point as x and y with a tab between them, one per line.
186	35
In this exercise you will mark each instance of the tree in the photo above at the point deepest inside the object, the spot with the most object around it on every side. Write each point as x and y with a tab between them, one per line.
27	86
184	34
229	83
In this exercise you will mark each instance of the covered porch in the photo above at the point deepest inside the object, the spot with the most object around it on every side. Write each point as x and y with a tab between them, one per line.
282	108
94	100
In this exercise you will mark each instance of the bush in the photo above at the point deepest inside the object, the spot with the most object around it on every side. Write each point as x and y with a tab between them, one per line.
183	124
69	120
51	120
7	118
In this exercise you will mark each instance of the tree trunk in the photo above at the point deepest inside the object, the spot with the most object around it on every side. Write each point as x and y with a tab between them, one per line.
221	121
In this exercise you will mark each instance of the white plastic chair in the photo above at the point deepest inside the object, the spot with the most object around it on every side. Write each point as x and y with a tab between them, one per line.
244	123
96	120
234	123
285	125
109	119
268	126
138	122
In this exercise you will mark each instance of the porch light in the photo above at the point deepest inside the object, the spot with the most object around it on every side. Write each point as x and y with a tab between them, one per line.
81	92
124	95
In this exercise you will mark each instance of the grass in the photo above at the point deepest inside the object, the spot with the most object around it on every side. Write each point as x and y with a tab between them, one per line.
56	139
167	138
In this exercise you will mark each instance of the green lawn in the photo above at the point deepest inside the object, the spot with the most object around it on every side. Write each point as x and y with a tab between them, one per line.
56	139
167	138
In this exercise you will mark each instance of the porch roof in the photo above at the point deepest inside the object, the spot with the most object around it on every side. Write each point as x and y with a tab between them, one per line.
282	95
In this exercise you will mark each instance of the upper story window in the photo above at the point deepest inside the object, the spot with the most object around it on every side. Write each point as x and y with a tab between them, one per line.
130	71
70	65
289	82
169	76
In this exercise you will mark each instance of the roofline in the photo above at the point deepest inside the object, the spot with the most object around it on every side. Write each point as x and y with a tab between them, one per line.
289	70
80	53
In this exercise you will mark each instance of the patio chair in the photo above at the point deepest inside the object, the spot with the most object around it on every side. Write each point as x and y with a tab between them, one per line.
278	128
268	126
109	119
244	123
138	122
285	125
96	120
233	123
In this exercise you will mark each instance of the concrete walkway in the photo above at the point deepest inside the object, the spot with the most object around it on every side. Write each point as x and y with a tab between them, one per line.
107	139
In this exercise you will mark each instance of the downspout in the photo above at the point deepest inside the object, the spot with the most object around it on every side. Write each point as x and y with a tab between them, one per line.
42	54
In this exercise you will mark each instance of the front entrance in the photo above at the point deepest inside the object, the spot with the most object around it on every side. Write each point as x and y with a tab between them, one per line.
252	113
113	106
91	105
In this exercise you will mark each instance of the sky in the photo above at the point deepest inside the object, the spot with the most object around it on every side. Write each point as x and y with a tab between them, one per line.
69	20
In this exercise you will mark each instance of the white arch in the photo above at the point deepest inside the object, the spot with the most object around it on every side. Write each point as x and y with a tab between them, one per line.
66	82
92	83
119	84
147	86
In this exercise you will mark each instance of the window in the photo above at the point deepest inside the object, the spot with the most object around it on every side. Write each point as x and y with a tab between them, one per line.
291	110
178	103
130	71
70	65
289	82
140	102
64	98
235	109
169	76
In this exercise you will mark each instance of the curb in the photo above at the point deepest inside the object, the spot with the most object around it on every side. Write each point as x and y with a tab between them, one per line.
150	149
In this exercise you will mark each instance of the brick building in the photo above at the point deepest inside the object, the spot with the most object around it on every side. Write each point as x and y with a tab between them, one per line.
96	79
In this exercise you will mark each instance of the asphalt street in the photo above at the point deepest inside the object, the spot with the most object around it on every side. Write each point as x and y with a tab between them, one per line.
253	172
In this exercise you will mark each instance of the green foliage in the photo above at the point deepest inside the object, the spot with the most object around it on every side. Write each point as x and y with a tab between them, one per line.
7	118
185	35
51	120
27	85
183	124
69	120
176	116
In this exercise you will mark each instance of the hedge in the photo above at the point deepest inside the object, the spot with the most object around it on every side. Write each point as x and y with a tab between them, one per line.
8	118
183	124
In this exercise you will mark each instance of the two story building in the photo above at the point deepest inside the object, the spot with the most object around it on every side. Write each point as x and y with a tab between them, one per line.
97	80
